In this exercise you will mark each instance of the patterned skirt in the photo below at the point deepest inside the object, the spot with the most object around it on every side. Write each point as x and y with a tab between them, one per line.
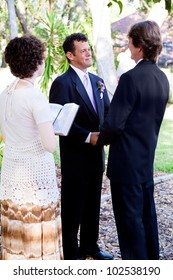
31	232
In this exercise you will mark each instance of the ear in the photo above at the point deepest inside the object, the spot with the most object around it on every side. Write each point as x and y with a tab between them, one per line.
141	52
69	55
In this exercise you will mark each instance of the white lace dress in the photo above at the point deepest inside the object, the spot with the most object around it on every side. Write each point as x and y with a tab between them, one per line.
30	210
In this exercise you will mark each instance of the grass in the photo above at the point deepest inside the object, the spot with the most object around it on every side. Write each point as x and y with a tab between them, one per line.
164	151
56	154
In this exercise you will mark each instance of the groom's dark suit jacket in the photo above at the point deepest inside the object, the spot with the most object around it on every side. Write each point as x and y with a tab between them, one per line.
76	155
133	123
82	164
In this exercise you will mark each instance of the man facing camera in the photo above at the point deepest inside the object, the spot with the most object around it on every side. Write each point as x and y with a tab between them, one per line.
82	164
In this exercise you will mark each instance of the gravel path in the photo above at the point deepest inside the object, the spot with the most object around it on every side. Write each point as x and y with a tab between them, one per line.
164	205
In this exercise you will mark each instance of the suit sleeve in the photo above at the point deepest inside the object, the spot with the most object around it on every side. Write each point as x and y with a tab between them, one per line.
121	106
58	92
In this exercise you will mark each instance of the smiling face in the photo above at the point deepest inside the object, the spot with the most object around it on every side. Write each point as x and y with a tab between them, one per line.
81	57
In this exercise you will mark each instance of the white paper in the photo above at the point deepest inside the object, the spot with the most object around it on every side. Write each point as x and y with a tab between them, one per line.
63	117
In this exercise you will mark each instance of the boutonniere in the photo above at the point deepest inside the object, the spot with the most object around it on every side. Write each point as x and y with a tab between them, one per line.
101	87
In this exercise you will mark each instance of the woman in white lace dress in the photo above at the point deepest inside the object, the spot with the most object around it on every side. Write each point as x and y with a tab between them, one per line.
30	213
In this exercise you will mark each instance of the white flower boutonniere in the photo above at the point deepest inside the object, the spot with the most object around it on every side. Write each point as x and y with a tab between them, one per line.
101	87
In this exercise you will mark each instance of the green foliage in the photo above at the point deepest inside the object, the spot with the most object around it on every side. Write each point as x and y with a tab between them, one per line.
164	155
53	31
171	11
119	3
1	151
150	3
4	31
56	154
116	61
168	5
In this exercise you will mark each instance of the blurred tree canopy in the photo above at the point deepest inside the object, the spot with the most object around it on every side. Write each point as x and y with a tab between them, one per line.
53	20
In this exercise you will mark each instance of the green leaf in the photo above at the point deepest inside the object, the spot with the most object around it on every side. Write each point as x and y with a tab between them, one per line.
120	6
119	3
109	4
168	5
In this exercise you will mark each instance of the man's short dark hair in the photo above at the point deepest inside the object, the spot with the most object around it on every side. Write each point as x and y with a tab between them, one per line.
68	45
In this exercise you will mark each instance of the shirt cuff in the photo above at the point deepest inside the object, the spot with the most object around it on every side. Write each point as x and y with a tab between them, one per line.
88	138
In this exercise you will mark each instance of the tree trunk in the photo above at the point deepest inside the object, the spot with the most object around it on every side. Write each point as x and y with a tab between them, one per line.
3	63
77	8
22	20
12	19
102	43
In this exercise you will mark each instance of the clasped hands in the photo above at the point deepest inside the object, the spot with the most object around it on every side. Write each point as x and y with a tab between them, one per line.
94	138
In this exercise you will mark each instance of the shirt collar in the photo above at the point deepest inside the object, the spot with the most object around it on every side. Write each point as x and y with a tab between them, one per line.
139	60
79	72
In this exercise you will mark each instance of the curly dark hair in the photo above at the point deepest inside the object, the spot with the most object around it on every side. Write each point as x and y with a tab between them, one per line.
23	55
146	34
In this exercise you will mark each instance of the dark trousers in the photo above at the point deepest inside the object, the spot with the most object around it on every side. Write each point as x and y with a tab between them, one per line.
80	210
136	220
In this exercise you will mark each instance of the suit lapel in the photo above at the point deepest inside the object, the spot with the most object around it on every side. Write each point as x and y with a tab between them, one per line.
81	90
97	96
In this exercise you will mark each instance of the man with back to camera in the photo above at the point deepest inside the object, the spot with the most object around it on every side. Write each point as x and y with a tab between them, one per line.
131	128
82	164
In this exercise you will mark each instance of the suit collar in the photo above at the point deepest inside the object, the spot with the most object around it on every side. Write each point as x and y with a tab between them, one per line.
145	62
139	60
79	72
81	90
